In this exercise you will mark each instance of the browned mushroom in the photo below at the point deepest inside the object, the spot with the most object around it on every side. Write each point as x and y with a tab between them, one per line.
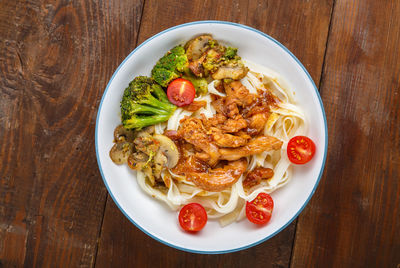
120	152
234	71
123	134
168	149
197	46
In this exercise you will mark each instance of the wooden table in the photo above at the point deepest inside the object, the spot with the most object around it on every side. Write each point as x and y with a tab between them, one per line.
56	58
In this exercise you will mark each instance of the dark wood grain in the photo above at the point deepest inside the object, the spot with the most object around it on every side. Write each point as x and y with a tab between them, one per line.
303	28
354	218
55	60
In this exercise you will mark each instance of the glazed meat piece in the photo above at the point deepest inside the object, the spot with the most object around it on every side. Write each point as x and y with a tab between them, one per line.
239	92
231	107
262	104
206	178
219	105
227	140
257	123
214	121
203	157
190	164
234	125
194	106
172	134
193	131
255	176
229	125
255	146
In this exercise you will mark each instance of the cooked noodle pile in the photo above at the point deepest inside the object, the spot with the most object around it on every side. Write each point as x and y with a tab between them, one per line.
285	121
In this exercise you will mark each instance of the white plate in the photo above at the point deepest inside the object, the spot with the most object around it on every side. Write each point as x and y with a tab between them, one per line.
155	218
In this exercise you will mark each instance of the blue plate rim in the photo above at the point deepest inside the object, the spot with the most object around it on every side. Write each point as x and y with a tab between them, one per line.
316	91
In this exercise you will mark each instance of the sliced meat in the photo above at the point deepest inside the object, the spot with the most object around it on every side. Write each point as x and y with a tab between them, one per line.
227	140
193	131
244	135
228	125
240	93
234	125
255	176
172	134
214	121
218	179
255	146
231	106
262	104
190	164
203	157
194	106
219	105
257	123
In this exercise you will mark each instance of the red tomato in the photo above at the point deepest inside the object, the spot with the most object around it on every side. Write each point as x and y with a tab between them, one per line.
300	150
181	92
259	210
192	217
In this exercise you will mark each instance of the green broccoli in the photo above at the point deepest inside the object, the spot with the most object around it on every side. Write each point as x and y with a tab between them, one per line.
230	53
200	84
144	103
170	66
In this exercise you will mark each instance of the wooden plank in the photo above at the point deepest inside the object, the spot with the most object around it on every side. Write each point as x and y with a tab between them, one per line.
55	61
354	218
122	244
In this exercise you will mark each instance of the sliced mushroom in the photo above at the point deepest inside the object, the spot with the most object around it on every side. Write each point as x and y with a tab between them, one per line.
145	143
197	46
169	149
123	134
196	66
138	160
160	160
235	71
120	152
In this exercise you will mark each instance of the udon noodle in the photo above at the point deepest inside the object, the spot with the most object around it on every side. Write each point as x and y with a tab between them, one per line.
285	121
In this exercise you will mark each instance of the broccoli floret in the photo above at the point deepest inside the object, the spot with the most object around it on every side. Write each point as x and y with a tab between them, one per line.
200	84
230	52
144	103
170	66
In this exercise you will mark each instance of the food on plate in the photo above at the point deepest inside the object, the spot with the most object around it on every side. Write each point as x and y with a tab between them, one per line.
175	64
181	92
300	150
259	210
211	134
192	217
207	57
144	103
170	66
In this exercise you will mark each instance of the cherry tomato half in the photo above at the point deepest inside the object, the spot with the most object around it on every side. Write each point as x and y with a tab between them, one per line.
259	210
181	92
300	150
192	217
